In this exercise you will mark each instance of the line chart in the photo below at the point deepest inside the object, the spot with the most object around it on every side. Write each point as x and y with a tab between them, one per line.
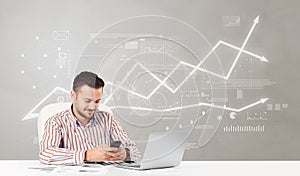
195	68
162	82
31	114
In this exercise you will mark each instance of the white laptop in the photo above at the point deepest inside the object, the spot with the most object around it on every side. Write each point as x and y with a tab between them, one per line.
163	149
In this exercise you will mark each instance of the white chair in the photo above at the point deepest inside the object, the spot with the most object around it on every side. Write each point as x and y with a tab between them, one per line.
51	109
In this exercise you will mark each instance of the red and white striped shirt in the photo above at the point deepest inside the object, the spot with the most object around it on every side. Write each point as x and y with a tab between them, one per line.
66	140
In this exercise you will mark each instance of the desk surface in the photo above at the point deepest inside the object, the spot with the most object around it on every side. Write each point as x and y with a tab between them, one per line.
188	168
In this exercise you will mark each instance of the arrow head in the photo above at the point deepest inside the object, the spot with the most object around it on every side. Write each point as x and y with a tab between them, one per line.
256	20
30	116
263	100
263	59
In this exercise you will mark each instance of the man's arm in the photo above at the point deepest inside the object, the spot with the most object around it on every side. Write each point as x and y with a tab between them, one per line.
51	153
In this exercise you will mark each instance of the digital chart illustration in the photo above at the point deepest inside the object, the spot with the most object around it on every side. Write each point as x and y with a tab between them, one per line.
224	72
162	74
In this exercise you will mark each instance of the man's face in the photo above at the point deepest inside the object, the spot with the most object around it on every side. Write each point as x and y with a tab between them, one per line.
86	101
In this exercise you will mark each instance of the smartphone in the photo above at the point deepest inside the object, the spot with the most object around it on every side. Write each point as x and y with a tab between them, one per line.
115	144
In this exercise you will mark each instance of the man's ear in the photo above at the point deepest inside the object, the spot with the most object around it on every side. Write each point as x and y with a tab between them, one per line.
73	95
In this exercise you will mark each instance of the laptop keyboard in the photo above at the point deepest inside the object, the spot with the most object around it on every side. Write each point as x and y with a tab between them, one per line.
130	164
104	163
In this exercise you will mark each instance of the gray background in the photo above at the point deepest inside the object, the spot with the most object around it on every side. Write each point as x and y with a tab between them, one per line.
276	37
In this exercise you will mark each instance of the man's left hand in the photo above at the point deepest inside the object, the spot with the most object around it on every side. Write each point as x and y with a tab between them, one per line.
120	154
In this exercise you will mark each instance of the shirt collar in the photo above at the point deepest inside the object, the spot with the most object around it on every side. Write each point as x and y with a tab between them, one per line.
76	121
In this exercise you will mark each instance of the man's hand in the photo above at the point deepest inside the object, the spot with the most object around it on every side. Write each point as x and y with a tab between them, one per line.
101	153
119	154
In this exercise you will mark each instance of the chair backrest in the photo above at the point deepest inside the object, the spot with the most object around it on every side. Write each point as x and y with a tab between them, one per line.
51	109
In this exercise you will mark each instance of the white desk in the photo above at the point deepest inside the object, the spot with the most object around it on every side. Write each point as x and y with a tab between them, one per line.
188	168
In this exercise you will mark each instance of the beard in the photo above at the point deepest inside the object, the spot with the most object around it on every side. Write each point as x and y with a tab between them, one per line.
86	116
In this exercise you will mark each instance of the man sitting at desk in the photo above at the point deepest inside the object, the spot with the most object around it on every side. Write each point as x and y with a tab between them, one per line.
82	132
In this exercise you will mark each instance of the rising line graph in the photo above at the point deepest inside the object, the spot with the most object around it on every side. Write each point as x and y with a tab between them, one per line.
31	114
195	68
162	82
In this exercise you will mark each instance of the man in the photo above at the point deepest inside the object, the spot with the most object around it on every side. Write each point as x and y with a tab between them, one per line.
82	132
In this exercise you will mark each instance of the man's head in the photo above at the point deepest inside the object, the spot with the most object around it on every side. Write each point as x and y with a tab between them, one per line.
86	95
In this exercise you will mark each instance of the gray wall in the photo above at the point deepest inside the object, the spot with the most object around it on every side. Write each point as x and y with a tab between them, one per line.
35	61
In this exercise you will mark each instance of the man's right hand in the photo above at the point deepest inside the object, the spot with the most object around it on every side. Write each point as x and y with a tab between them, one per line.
100	153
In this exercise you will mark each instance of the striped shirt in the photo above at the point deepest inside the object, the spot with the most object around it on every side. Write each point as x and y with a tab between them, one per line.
65	139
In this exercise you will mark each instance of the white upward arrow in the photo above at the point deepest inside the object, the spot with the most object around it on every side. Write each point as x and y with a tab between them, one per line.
255	22
262	101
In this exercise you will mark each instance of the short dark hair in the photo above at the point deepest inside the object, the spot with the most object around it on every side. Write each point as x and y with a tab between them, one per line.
87	78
